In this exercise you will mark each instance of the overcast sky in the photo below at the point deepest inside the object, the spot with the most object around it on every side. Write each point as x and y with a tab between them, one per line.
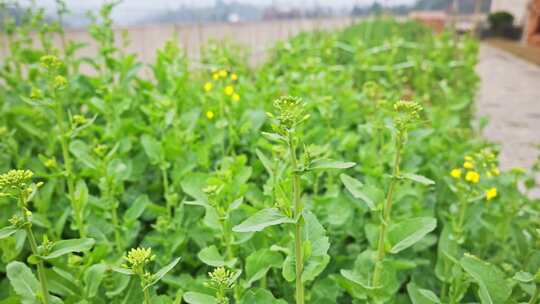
173	4
131	11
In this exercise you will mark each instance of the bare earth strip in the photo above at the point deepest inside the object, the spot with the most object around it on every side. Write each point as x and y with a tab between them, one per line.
510	97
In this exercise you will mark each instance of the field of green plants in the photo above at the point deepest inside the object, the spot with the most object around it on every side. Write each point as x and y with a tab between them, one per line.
347	168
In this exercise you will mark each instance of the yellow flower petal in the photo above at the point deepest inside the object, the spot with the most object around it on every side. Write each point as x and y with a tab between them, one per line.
491	193
472	177
208	87
229	90
210	115
455	173
236	97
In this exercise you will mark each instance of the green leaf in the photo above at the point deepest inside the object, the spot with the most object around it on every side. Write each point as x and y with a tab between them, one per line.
8	231
265	161
523	277
259	262
406	233
262	219
23	282
137	208
152	148
421	296
418	178
211	256
93	276
324	164
64	247
199	298
81	193
260	296
494	289
354	186
81	151
274	137
315	237
119	170
122	270
162	272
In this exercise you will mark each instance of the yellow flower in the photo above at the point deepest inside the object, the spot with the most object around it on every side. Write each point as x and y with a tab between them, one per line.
208	86
468	165
215	75
468	158
223	73
59	82
491	193
472	177
229	90
456	173
236	97
139	256
210	115
234	77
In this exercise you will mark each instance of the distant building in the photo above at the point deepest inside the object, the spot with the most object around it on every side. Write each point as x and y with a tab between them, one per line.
518	8
435	20
532	28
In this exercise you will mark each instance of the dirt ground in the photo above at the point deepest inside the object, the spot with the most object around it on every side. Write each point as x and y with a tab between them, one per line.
509	97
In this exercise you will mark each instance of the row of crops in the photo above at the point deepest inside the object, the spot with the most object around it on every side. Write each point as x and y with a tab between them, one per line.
344	169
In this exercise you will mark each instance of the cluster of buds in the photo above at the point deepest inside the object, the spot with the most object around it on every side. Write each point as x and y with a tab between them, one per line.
222	280
16	183
78	120
290	112
136	260
50	62
408	112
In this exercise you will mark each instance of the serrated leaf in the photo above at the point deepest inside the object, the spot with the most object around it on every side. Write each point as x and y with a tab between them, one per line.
81	151
162	272
421	296
265	161
259	262
137	208
93	276
263	219
152	148
8	231
493	287
325	164
354	187
23	281
211	256
418	178
199	298
406	233
64	247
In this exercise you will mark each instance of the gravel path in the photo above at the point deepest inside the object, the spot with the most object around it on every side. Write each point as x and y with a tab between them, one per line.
510	97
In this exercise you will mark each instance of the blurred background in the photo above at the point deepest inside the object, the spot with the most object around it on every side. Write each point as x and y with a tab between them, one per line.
509	31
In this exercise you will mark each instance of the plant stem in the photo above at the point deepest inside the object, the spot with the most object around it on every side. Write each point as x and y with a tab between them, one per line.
536	295
146	296
40	267
299	255
165	178
387	208
114	218
68	169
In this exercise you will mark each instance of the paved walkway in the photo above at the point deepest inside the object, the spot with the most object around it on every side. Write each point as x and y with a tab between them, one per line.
510	97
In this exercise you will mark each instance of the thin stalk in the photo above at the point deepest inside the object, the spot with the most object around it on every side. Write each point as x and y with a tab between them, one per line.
536	295
387	208
146	296
114	218
69	169
165	178
299	255
227	238
40	266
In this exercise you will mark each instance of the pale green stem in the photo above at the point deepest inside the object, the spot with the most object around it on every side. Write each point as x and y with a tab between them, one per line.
146	296
298	225
387	208
40	266
68	169
534	299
